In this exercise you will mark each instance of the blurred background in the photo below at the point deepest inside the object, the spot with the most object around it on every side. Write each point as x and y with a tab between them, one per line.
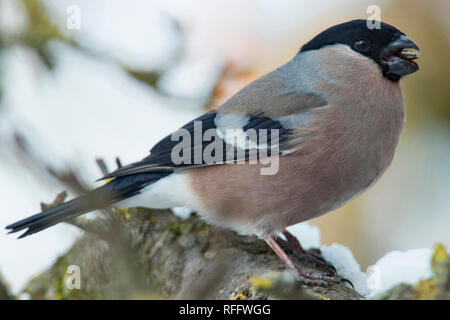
88	79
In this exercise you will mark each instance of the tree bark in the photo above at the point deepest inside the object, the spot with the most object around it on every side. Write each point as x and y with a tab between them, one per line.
152	254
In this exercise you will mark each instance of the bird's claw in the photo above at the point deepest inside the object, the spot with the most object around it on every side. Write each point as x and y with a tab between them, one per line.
321	279
346	281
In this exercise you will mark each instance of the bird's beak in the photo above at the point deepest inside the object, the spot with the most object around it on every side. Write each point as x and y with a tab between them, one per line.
398	56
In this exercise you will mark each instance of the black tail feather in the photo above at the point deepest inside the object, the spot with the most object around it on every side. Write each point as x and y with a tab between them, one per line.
116	190
52	216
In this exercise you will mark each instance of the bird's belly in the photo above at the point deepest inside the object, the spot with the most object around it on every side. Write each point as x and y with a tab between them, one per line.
239	197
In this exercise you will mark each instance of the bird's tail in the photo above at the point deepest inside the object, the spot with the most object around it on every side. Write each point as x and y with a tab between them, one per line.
116	190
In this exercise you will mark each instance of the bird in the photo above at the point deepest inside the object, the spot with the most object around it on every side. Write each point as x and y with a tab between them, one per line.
296	143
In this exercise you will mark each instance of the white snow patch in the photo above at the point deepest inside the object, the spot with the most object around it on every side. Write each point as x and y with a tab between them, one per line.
397	267
182	212
393	268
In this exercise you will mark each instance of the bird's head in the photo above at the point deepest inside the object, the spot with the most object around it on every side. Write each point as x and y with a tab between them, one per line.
387	46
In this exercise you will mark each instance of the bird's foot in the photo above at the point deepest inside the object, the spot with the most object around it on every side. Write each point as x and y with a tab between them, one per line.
321	279
324	279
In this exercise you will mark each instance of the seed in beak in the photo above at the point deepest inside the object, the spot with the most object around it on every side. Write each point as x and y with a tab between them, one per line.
409	54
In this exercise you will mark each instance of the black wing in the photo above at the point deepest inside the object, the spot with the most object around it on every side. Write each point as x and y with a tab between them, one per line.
161	155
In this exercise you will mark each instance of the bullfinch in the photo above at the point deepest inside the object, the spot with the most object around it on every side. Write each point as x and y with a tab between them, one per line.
292	145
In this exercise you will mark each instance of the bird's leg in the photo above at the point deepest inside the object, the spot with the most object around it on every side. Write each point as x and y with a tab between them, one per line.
315	259
308	278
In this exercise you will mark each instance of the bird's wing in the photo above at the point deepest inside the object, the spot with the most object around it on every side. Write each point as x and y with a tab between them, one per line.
256	122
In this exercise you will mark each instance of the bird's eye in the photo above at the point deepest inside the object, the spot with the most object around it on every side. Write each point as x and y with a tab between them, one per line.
361	45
